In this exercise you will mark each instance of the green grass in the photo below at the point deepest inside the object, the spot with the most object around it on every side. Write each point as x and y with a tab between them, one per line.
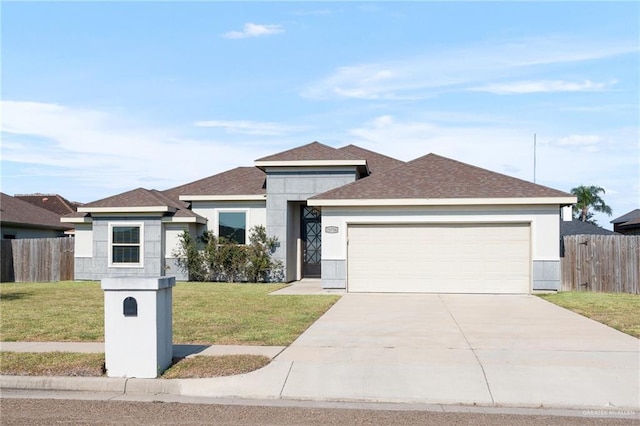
51	364
92	365
618	310
203	313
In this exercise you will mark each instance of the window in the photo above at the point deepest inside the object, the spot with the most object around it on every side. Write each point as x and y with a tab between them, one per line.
232	226
126	244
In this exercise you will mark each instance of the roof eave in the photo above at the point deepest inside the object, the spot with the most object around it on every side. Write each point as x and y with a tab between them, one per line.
84	219
132	209
173	219
240	197
309	163
442	201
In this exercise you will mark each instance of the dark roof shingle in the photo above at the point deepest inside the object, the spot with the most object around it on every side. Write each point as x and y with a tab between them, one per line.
238	181
633	214
18	212
433	176
578	227
52	202
315	151
377	163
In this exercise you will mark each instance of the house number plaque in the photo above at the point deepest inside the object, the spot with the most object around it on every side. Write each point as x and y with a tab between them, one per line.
331	229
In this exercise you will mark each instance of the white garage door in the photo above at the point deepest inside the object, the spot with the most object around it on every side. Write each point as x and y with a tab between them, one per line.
469	258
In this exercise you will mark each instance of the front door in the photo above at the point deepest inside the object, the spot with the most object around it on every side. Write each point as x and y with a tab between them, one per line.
311	241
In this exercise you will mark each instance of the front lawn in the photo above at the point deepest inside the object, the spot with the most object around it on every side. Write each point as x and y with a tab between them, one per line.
92	365
618	310
203	313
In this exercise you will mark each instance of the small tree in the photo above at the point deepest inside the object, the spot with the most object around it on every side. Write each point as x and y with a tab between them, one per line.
589	198
189	257
260	249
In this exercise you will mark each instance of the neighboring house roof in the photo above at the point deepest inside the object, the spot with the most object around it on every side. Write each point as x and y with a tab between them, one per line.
578	227
378	163
52	202
16	212
238	181
628	219
314	151
433	176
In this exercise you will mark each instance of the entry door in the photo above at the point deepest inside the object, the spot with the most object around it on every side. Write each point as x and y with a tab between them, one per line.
311	240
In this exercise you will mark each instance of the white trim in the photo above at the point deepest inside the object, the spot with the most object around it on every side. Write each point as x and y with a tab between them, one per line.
76	220
312	163
110	245
248	197
173	219
145	209
442	201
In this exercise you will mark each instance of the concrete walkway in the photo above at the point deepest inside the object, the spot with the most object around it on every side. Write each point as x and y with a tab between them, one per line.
430	349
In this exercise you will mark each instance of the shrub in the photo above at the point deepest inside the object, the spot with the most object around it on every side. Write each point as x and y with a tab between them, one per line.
213	258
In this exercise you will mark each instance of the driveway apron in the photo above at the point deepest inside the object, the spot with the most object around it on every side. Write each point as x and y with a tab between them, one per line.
462	349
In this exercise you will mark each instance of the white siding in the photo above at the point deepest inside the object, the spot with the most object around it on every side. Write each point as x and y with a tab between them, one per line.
83	245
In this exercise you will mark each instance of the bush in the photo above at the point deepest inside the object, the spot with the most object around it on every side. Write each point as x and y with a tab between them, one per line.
213	258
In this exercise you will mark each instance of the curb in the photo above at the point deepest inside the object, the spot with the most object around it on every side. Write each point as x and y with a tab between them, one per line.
91	384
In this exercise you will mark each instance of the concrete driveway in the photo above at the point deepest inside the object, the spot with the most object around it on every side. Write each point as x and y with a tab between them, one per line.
462	349
493	350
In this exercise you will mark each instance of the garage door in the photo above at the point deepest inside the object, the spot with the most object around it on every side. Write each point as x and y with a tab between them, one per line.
469	258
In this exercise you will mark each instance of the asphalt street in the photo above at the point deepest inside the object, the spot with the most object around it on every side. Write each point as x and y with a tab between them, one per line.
26	408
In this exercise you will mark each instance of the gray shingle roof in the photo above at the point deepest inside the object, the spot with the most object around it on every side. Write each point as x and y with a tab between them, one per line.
14	211
578	227
433	176
633	214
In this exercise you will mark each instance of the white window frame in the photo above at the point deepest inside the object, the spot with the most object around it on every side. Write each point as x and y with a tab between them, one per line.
246	222
112	264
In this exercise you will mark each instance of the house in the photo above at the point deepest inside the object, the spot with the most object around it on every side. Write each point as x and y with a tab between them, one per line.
628	224
52	202
20	219
356	219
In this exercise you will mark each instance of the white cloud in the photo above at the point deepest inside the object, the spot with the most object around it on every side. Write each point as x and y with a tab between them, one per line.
102	154
541	86
579	140
452	69
609	159
250	127
254	30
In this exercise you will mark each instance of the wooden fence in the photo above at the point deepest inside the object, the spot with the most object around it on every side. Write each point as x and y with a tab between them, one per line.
603	263
37	260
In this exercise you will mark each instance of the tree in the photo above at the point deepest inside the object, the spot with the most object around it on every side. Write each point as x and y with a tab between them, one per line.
589	198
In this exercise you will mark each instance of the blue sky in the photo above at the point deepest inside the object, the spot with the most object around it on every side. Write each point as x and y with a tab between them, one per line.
100	98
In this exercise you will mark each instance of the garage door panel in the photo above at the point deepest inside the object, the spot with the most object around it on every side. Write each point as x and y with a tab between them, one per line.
478	258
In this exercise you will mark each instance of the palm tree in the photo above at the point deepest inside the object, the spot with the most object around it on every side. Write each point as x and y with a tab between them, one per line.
589	198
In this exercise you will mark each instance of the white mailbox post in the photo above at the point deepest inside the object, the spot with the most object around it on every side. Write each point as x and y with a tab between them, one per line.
138	331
